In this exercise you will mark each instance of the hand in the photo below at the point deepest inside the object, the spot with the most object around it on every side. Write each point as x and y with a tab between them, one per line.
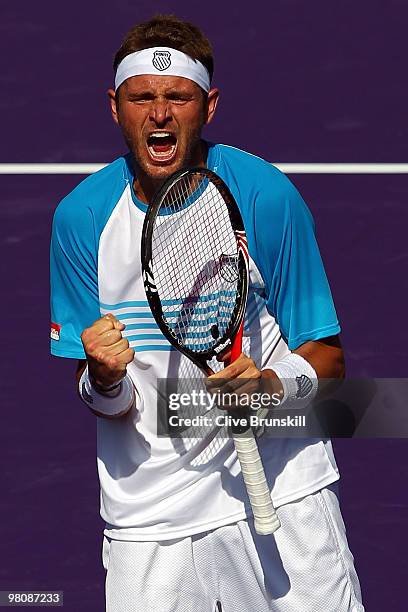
243	378
107	353
240	378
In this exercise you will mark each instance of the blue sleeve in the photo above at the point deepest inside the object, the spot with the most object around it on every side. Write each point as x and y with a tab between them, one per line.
297	290
74	285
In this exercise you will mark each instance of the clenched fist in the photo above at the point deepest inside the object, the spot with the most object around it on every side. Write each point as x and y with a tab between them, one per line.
107	353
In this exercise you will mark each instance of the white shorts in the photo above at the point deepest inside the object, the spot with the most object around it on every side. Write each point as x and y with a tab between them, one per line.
306	566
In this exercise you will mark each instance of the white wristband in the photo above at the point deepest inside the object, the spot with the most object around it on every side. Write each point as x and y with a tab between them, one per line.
105	405
298	378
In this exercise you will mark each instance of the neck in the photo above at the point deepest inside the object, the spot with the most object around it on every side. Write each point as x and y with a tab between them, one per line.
145	186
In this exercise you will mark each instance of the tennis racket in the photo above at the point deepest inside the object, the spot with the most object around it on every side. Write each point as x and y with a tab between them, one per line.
195	273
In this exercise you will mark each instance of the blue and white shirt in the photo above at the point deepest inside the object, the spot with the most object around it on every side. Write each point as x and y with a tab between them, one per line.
156	488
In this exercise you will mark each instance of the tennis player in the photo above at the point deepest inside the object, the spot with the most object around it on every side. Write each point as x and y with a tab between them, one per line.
179	534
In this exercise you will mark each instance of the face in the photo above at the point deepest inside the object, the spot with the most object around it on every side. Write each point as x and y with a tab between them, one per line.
161	118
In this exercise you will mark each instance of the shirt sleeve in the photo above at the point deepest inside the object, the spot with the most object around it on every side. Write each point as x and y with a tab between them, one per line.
297	290
74	279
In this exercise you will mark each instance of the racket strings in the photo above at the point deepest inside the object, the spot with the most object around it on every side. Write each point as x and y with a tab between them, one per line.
195	279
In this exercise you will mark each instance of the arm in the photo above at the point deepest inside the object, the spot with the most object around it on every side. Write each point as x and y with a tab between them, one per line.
296	292
97	342
325	356
107	357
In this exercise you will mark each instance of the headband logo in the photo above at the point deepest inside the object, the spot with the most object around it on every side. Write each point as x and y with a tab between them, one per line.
161	60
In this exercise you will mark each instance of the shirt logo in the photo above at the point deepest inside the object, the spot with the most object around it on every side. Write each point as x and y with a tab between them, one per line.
161	60
55	331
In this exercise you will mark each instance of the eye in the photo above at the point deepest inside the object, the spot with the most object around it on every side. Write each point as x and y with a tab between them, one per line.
140	98
179	98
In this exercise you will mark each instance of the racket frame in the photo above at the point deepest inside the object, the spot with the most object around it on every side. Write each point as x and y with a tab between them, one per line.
199	358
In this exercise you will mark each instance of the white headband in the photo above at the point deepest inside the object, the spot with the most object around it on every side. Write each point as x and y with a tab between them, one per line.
162	61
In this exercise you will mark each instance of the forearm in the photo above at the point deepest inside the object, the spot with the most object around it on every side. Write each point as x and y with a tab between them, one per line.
106	403
325	356
322	362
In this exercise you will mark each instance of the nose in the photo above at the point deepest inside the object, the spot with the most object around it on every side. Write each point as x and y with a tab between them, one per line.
160	111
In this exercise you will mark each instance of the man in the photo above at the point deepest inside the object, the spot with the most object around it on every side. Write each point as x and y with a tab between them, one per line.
179	535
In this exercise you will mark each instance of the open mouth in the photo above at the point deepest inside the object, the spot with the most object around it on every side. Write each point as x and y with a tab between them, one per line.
162	146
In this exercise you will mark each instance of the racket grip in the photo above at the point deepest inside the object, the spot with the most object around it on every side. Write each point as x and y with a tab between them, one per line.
236	349
266	520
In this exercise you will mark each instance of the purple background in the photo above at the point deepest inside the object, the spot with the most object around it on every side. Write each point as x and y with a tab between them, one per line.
300	82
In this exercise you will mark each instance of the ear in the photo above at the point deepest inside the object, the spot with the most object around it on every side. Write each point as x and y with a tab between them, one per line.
212	101
113	105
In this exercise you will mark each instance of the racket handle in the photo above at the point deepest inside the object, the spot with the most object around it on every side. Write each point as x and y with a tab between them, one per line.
266	520
236	349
